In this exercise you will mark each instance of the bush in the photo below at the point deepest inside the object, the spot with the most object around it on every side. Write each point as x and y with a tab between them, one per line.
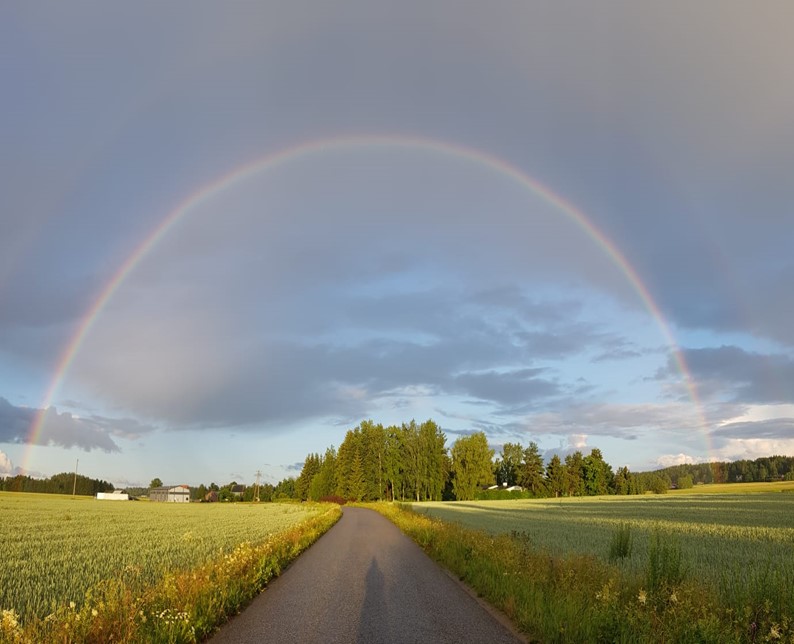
333	498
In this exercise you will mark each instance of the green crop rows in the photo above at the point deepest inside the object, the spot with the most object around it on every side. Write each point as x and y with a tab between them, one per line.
739	544
55	548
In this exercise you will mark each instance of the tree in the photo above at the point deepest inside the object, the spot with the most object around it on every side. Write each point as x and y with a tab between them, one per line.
531	472
685	482
574	474
508	467
348	451
555	476
199	493
622	481
372	446
156	483
433	476
659	485
472	465
311	467
597	474
324	483
285	489
355	486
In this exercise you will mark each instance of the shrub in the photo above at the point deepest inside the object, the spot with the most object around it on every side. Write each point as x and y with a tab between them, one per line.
333	498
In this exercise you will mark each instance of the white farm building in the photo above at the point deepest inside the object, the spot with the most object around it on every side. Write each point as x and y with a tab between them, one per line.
118	495
166	494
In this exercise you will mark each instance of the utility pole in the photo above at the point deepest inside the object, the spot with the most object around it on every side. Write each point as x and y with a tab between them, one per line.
256	489
74	483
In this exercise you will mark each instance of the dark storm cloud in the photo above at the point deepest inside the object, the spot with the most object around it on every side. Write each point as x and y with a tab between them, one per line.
521	387
739	375
65	430
777	428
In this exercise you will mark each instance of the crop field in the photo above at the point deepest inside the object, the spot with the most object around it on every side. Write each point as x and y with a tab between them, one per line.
737	543
55	548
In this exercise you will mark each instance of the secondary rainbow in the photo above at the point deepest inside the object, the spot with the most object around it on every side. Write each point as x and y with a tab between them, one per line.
336	144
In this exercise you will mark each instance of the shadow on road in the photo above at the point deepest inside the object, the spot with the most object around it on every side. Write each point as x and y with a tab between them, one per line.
373	610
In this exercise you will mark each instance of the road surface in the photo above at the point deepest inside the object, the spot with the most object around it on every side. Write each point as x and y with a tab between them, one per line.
365	582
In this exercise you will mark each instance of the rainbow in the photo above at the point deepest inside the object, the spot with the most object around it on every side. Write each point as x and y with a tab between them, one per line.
336	144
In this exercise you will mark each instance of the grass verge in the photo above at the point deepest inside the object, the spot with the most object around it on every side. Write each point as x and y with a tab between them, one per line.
184	606
579	598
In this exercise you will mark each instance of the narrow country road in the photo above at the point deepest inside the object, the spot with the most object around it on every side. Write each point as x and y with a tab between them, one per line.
365	582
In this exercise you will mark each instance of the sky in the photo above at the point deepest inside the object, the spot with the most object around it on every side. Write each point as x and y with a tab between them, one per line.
231	232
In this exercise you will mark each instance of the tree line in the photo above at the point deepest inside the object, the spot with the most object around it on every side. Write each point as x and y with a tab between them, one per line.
412	462
63	483
767	468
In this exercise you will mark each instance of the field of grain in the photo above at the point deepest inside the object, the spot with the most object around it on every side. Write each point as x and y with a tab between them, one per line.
739	544
55	548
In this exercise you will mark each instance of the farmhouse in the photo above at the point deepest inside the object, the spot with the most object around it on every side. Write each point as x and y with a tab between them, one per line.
168	494
117	495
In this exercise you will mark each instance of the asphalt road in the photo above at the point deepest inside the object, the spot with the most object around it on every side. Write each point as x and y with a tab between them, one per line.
365	582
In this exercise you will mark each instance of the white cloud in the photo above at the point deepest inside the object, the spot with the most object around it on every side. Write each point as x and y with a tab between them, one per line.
6	466
578	441
757	413
752	448
668	460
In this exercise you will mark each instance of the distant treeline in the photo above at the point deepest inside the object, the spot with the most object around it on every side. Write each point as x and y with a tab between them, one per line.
768	468
62	483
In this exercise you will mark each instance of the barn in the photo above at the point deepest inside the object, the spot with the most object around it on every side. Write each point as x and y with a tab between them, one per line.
117	495
170	494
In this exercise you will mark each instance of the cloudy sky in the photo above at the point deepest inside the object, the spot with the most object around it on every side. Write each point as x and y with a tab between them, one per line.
568	223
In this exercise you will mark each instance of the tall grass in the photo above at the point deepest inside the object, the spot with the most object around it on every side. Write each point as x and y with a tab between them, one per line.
622	544
581	598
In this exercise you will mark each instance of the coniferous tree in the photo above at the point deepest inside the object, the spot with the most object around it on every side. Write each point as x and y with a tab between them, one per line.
324	483
356	485
574	474
311	467
532	471
555	476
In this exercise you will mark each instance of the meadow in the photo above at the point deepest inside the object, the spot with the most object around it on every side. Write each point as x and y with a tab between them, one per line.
63	554
702	566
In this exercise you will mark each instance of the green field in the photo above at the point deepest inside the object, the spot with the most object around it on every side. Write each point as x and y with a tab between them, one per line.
55	548
739	544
